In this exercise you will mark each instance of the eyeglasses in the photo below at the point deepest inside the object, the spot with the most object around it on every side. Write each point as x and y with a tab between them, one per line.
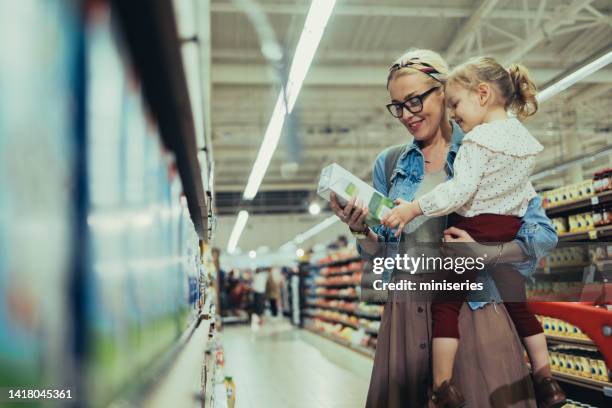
414	104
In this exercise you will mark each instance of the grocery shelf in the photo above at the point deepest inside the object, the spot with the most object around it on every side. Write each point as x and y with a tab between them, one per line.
340	262
327	275
571	341
337	285
357	313
355	326
597	233
585	205
336	296
332	320
368	315
152	39
185	361
590	383
368	352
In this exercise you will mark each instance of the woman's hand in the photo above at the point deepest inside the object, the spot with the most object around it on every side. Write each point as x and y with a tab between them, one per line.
403	212
353	214
463	245
453	234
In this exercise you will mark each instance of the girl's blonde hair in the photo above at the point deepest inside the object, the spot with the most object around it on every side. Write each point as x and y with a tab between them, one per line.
428	62
517	91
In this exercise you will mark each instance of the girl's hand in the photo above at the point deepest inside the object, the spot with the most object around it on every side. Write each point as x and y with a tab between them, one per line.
403	212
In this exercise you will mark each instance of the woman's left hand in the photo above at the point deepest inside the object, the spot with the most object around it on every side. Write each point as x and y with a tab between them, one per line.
454	234
463	245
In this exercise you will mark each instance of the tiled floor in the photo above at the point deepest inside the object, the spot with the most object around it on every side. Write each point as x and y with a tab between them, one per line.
281	366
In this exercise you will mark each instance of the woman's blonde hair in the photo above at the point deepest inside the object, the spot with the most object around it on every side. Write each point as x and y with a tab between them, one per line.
517	91
428	62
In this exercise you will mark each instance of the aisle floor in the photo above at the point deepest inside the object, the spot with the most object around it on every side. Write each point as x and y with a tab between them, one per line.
283	366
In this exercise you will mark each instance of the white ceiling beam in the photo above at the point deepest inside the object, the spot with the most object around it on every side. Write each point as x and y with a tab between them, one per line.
468	29
393	11
259	74
569	13
266	186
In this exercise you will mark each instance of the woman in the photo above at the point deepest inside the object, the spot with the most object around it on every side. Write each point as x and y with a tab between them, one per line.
489	368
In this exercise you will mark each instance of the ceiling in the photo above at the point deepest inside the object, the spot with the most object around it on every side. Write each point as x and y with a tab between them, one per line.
340	115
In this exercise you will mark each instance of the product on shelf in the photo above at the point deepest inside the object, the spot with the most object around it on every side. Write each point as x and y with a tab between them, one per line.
602	217
560	224
602	180
568	256
568	194
339	256
578	362
334	178
581	222
559	328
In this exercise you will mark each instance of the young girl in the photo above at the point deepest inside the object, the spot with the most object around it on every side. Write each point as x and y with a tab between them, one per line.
487	196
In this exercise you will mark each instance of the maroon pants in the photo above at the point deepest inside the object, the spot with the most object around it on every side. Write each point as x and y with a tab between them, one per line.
487	228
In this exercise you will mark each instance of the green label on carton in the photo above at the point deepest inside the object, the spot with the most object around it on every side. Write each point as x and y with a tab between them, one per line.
350	189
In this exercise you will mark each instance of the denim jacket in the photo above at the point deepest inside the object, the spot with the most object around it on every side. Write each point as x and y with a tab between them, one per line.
536	237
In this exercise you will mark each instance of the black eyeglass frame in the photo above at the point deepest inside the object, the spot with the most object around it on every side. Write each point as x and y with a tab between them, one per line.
420	98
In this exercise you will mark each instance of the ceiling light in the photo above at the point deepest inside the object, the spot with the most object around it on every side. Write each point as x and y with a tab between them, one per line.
299	253
241	221
314	209
252	254
328	222
574	77
318	16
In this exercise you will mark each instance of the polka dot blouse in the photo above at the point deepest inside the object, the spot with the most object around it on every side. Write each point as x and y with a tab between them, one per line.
492	170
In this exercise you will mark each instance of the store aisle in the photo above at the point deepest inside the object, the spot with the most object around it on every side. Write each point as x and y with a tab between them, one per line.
282	366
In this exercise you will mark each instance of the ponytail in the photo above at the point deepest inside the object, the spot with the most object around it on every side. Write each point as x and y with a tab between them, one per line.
523	103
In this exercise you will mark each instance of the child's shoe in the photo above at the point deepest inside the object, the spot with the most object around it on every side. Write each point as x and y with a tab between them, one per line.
549	393
448	396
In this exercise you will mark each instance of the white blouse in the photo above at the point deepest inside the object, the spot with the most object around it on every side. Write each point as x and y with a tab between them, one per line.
492	171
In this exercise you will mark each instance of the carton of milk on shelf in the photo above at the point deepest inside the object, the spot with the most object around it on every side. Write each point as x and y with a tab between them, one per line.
334	178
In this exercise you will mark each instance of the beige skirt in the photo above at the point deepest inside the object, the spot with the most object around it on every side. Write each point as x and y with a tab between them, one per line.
490	368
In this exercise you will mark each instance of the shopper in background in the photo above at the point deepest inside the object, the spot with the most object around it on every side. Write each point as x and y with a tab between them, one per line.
273	291
490	369
259	291
222	299
487	196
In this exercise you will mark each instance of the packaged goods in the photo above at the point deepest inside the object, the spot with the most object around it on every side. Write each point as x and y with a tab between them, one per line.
602	180
602	217
345	185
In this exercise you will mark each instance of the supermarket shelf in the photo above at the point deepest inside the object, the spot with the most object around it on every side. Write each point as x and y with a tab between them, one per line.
153	42
340	262
337	285
342	273
570	341
345	323
599	233
332	320
368	315
351	312
336	296
579	206
368	352
590	383
335	309
186	363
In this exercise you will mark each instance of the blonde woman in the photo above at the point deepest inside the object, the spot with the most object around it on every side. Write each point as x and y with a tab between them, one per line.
489	369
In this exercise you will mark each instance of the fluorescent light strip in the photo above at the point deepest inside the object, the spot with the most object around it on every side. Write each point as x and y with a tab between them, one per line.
316	21
574	77
328	222
241	221
546	94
